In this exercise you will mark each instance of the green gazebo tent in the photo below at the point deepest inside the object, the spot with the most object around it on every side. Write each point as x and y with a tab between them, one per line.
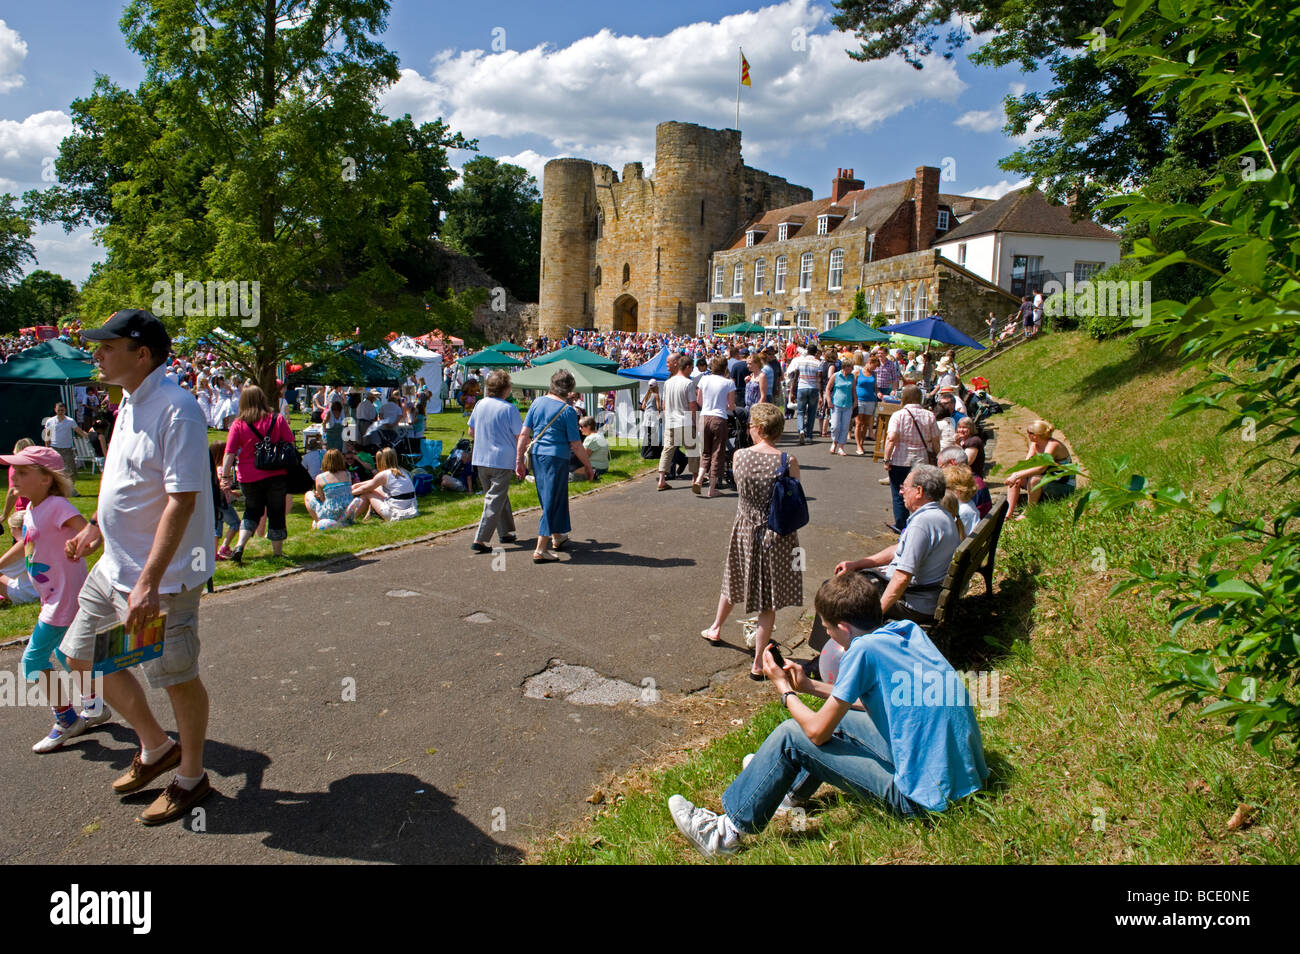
31	384
741	328
853	331
488	358
578	355
508	347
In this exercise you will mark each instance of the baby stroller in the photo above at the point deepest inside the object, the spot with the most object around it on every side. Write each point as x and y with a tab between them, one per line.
737	438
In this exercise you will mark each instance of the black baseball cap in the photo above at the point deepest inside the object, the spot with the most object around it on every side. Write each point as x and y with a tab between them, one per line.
137	324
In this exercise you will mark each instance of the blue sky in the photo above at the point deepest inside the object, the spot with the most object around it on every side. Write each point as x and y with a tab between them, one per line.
574	78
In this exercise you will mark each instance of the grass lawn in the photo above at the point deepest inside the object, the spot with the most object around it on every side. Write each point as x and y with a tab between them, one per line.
1086	767
441	510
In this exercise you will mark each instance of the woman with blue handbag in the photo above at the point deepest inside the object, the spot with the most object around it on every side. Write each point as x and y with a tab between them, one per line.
764	569
555	423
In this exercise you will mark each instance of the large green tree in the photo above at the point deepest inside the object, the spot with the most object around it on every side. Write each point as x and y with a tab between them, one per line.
495	215
253	152
1098	128
15	249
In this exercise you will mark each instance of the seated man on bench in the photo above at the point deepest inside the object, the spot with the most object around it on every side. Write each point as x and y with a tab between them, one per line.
912	571
877	735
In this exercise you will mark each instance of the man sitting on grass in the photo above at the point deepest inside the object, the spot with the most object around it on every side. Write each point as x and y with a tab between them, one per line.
878	735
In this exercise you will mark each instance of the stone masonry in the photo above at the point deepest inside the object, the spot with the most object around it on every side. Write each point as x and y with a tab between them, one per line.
632	253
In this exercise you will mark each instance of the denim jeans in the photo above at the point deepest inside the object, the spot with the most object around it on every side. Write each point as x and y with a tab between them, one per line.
856	759
896	477
806	410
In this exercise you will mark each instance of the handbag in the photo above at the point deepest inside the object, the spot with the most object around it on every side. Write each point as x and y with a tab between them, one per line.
528	454
931	457
272	455
298	479
788	510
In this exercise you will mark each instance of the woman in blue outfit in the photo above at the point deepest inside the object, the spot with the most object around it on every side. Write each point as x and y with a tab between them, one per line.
839	398
554	424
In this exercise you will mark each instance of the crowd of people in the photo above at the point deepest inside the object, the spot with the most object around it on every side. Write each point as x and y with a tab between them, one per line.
725	407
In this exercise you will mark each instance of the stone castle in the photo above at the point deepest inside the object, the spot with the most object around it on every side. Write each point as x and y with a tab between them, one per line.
633	254
710	241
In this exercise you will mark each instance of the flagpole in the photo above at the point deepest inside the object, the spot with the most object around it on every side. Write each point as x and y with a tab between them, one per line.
738	78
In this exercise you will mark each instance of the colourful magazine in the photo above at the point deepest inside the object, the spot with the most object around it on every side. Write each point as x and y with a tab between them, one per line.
116	649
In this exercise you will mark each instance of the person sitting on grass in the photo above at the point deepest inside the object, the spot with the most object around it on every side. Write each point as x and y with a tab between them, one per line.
597	449
877	735
16	585
1030	481
331	504
390	493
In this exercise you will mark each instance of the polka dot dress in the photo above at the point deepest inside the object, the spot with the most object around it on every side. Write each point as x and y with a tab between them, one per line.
762	570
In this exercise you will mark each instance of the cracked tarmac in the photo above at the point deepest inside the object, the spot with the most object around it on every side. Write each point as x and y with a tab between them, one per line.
378	710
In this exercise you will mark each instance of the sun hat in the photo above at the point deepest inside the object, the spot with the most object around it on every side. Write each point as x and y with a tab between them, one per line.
39	456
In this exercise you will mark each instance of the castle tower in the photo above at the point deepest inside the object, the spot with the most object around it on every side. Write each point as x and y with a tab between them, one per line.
697	193
568	213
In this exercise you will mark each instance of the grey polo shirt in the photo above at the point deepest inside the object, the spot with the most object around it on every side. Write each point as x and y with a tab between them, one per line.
925	550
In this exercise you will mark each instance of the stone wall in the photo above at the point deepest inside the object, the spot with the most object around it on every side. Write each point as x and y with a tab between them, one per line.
656	233
960	297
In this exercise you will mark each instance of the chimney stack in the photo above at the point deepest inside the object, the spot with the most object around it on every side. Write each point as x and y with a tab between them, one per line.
926	207
843	184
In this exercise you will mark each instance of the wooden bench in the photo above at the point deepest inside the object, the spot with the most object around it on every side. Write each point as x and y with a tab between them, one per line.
974	555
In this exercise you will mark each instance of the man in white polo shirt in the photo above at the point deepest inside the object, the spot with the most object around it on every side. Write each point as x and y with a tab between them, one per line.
61	428
155	520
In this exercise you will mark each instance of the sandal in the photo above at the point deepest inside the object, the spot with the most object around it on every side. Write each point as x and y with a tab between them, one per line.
562	545
545	556
757	676
716	641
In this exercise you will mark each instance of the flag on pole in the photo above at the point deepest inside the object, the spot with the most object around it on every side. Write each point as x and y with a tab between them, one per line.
744	70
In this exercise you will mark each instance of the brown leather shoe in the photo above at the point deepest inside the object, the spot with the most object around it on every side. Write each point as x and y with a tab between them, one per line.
139	775
175	802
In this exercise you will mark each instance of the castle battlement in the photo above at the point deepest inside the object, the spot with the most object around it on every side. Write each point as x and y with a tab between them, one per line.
631	253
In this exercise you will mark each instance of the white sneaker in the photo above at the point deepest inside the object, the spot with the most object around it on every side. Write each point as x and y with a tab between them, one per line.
703	829
58	735
788	804
98	716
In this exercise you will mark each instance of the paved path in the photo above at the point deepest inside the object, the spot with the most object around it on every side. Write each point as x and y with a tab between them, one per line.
441	757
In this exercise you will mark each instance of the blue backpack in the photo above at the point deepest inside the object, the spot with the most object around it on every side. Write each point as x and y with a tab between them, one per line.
789	509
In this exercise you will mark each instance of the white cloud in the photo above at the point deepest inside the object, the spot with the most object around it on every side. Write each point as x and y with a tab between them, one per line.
601	96
13	50
530	160
996	191
68	255
981	120
25	146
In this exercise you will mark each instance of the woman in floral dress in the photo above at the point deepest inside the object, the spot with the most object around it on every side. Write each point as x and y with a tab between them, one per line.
762	570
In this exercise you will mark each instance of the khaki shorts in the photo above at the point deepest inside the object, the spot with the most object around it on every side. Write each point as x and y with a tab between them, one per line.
101	606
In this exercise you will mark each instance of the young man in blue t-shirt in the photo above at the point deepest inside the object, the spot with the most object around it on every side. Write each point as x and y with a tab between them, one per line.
897	726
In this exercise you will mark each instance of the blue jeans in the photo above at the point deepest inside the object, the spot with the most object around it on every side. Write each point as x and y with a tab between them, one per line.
806	410
840	418
856	759
896	477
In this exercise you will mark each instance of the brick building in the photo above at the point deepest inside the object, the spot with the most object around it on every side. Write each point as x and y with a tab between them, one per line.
800	266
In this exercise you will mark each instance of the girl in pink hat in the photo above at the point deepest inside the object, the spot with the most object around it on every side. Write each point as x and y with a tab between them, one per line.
49	523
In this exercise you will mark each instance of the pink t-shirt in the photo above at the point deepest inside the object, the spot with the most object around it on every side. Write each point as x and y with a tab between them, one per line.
243	442
56	578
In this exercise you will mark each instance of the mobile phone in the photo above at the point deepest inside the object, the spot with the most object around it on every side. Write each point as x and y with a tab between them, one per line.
776	654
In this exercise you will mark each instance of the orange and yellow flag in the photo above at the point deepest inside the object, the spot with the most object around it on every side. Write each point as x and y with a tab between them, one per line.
744	70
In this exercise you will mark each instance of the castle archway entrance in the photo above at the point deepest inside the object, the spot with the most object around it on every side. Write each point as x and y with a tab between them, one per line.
625	313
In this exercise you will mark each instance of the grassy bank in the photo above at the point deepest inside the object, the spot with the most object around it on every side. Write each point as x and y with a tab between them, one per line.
1086	768
441	510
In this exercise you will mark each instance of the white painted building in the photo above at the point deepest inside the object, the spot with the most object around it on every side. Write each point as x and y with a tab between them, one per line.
1023	241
